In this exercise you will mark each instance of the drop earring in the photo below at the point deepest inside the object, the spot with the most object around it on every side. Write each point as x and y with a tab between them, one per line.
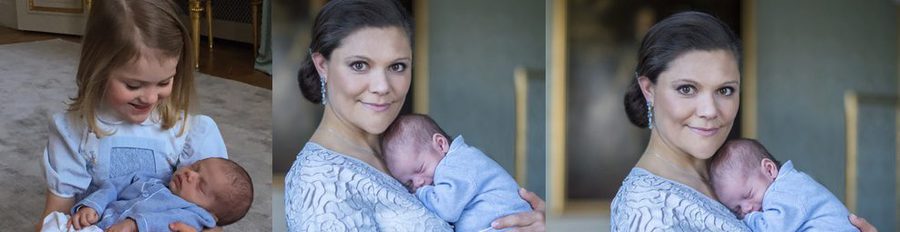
322	81
649	115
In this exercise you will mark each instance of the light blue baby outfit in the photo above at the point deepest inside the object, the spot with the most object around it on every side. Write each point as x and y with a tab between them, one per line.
147	201
470	190
76	162
796	202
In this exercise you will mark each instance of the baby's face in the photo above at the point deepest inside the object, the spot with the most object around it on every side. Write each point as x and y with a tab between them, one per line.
413	168
199	182
743	192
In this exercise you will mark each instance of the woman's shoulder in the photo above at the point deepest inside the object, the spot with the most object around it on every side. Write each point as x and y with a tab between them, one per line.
643	193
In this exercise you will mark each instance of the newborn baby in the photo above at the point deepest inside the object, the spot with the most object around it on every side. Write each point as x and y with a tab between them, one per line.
747	180
211	192
457	182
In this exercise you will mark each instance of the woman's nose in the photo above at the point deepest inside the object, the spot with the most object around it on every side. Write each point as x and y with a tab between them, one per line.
707	107
379	83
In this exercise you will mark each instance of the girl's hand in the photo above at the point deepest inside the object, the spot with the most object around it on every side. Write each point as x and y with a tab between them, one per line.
526	221
862	224
181	227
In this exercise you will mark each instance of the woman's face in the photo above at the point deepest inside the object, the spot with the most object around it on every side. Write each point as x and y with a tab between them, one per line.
695	101
368	76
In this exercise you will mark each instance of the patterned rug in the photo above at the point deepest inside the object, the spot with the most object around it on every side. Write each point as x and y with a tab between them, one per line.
38	78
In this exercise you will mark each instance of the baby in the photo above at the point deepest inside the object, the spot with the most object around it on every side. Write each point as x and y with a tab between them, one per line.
747	180
457	182
211	192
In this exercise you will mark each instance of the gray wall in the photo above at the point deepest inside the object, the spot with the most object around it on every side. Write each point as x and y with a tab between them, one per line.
474	47
8	13
810	53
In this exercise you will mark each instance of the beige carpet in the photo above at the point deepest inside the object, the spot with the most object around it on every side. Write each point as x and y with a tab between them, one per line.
38	78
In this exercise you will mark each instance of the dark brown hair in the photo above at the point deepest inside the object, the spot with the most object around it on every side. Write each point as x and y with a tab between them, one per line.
739	155
232	204
336	21
668	39
410	130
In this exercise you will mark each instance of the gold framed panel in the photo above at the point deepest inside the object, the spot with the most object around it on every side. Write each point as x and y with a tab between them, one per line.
748	80
852	101
48	6
556	146
420	58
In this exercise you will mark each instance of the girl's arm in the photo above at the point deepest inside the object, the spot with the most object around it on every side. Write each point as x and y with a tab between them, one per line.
55	203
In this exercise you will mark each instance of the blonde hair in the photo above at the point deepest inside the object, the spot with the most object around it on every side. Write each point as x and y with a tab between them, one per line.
114	34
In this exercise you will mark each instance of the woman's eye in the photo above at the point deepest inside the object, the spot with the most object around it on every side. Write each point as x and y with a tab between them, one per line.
359	66
686	89
727	91
164	84
398	67
132	86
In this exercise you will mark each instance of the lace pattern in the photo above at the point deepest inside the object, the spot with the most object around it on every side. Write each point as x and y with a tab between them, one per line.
647	202
327	191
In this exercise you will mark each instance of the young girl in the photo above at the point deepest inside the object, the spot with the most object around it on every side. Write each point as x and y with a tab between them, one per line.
135	85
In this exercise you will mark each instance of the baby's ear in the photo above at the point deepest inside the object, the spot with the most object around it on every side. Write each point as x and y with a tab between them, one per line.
769	168
440	143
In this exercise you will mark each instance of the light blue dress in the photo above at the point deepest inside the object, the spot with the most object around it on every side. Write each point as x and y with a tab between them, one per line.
328	191
147	201
76	162
796	202
471	190
647	202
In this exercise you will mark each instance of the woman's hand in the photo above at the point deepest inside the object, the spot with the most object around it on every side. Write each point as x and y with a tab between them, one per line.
862	224
526	221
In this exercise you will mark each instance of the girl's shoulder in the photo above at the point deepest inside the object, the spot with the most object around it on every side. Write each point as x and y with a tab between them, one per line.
66	122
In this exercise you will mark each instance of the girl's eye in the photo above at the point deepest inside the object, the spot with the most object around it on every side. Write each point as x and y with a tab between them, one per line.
359	66
164	83
686	89
727	91
132	86
398	67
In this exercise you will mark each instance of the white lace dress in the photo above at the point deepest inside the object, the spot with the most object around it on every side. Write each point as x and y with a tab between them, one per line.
647	202
328	191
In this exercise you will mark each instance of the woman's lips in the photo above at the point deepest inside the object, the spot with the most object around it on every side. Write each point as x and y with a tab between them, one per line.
377	107
704	131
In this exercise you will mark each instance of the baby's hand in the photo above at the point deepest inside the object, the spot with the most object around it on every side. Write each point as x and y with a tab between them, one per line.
127	225
86	216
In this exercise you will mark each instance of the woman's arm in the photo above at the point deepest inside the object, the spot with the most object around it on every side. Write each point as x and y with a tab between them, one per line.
54	203
526	221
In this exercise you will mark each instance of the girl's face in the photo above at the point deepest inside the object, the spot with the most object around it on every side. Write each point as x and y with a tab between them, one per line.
367	77
695	101
135	89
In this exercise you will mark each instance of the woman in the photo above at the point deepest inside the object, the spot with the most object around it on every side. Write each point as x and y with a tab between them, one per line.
359	68
687	92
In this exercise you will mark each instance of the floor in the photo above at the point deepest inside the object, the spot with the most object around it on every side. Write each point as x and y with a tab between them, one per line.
227	59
